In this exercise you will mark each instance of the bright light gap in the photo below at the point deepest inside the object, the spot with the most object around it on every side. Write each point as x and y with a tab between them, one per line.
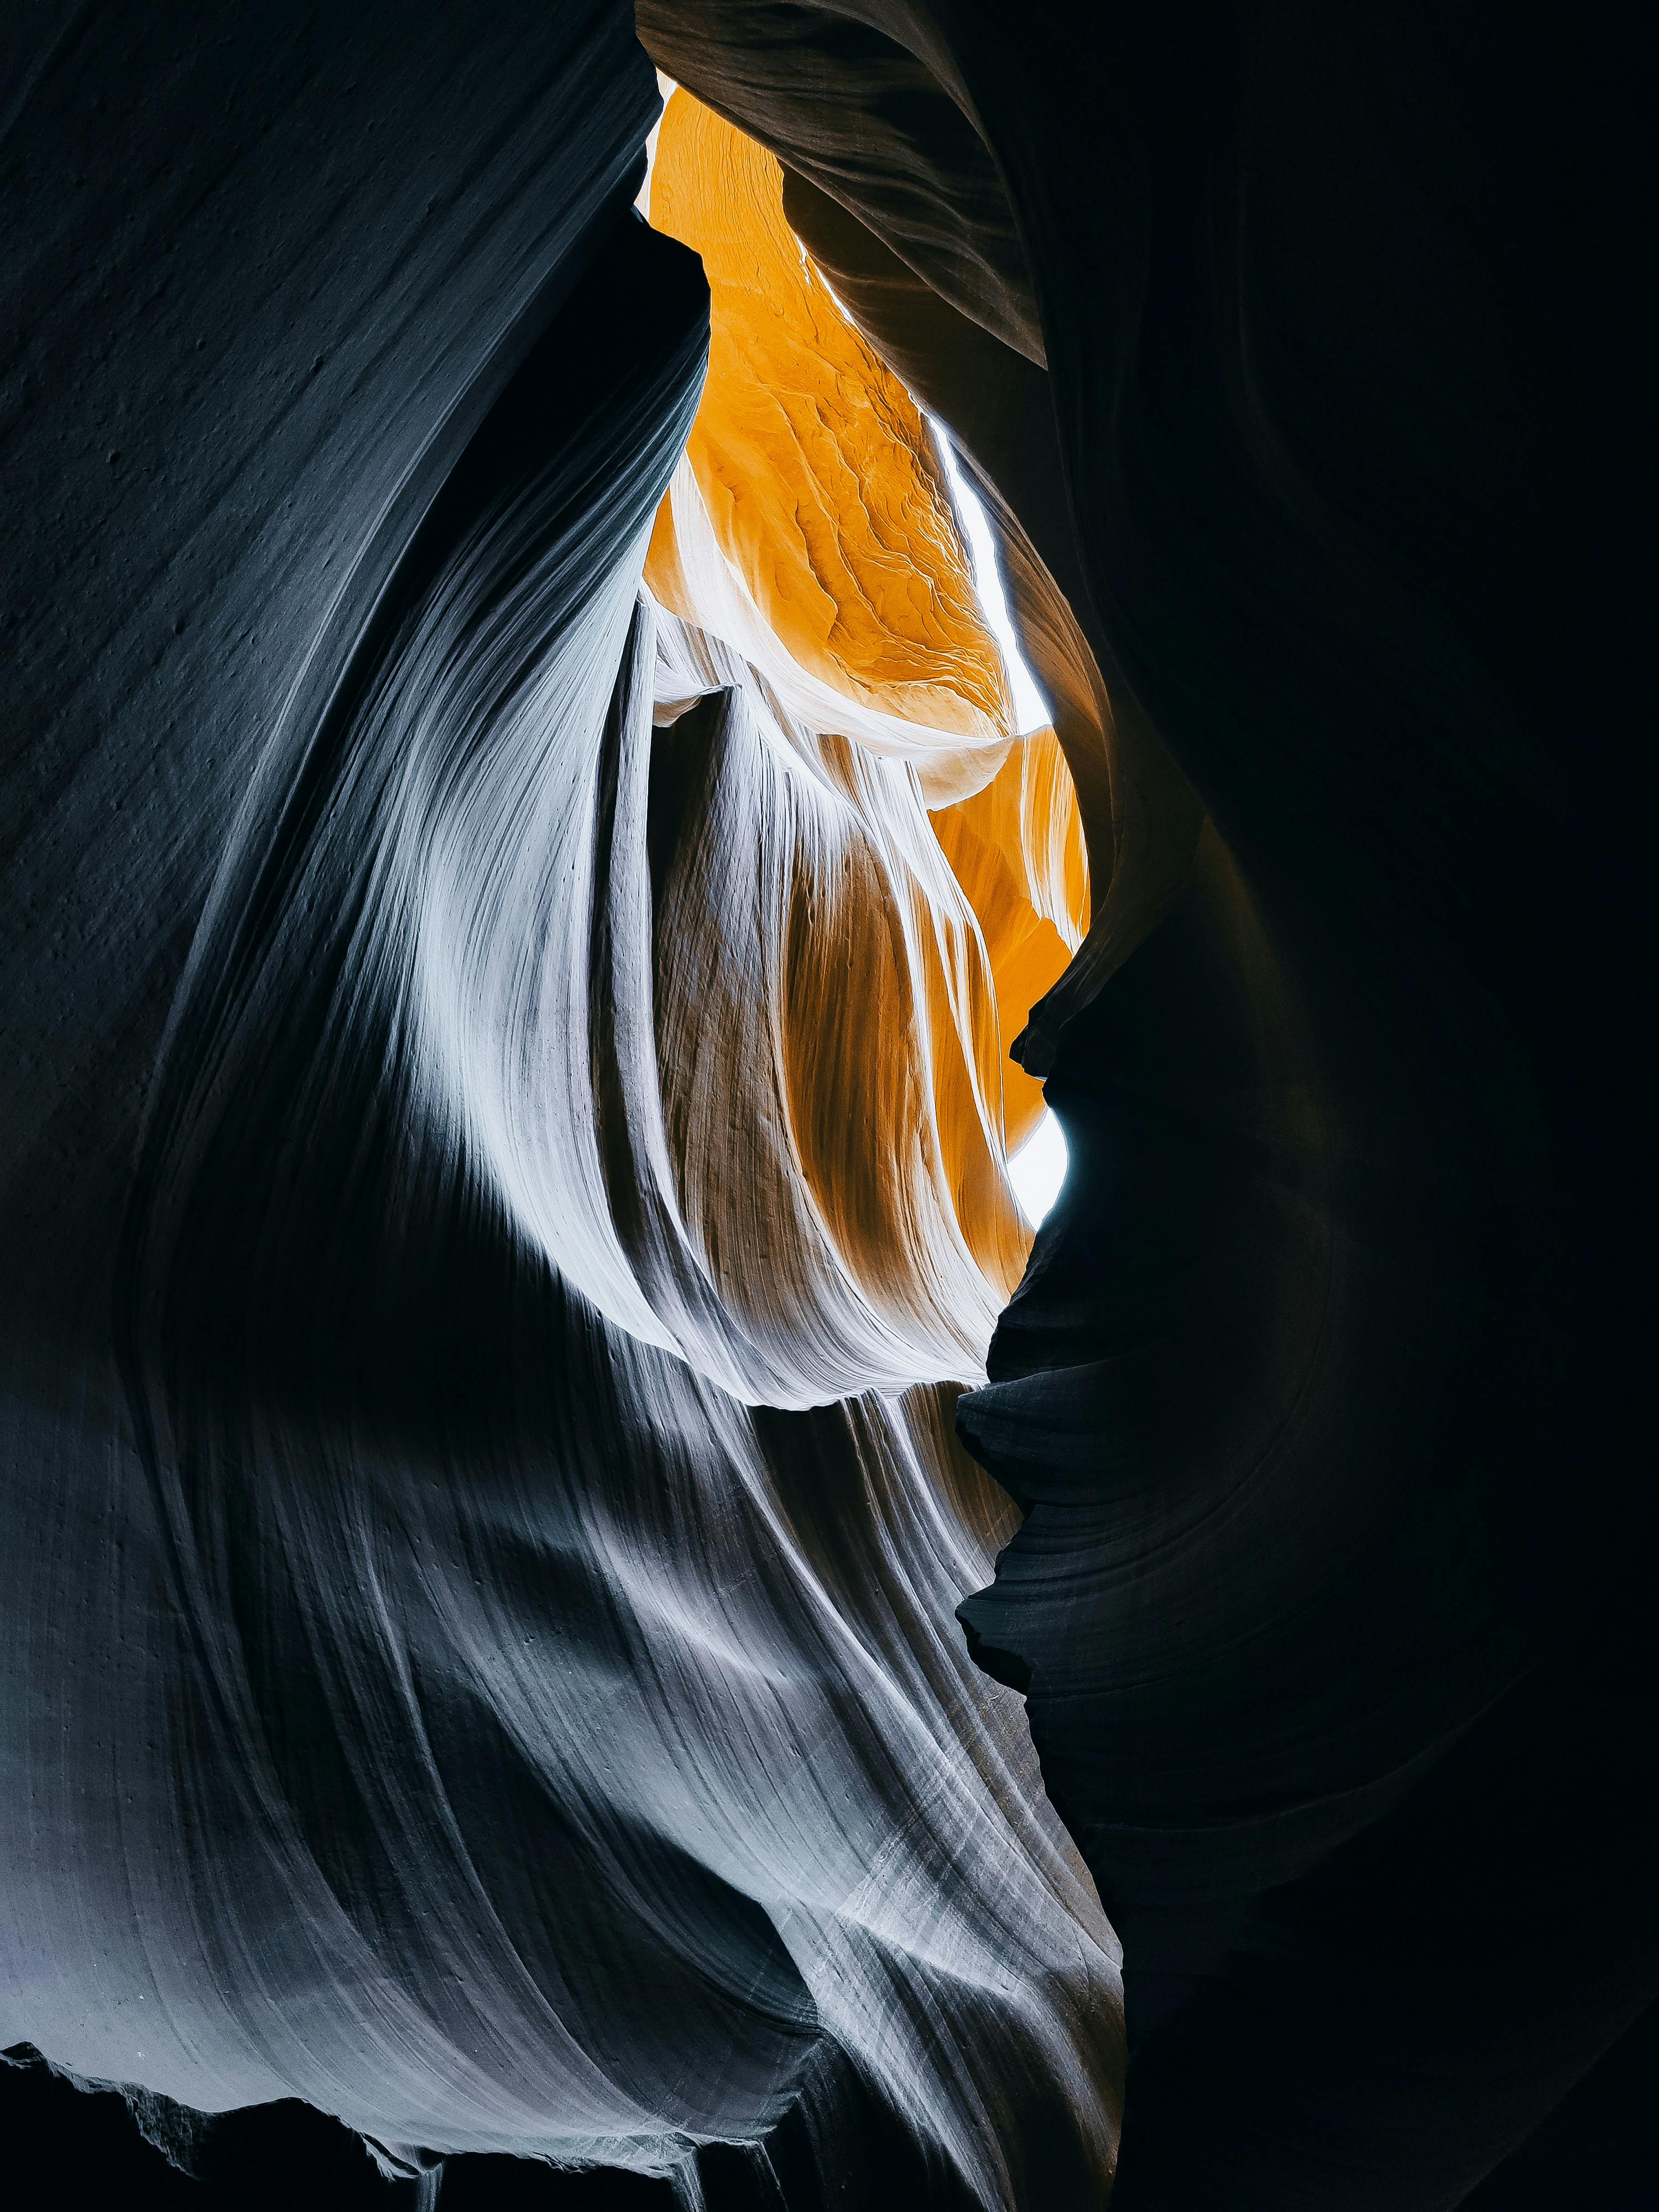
1030	708
1038	1169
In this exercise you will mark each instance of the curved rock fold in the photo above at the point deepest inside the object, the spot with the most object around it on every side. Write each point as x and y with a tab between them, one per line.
535	930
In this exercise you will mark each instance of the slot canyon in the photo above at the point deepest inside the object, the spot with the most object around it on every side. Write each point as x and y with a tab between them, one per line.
823	1142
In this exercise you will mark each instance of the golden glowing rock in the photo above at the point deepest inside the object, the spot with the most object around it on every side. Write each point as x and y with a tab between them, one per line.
810	535
814	462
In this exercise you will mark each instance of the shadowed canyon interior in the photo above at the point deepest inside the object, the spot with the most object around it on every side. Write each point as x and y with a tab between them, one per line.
641	643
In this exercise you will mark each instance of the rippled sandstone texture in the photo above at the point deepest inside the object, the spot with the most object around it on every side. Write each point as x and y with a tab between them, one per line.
506	1168
483	1521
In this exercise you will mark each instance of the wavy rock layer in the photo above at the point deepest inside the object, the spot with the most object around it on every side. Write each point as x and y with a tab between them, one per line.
507	1170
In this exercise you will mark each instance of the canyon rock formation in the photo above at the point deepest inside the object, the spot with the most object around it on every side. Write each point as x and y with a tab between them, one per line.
589	1614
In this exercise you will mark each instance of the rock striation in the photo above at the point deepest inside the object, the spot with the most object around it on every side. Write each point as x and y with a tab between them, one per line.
534	927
